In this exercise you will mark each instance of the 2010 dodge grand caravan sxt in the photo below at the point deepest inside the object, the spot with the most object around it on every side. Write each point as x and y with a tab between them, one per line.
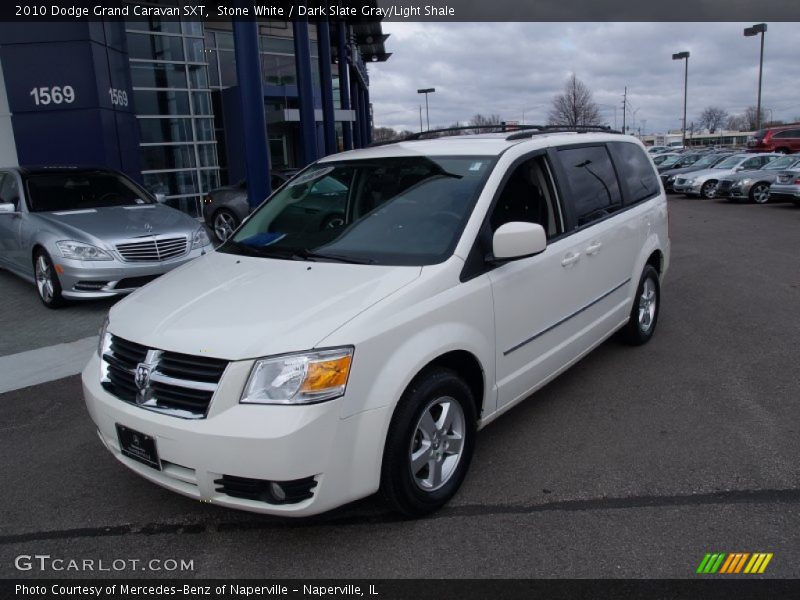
311	361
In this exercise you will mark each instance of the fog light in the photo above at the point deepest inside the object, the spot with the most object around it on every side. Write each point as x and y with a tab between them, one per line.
277	491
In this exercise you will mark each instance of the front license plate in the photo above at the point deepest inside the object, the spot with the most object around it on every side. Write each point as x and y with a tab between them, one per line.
138	446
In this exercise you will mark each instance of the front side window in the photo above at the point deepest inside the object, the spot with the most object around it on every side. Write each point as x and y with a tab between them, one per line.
729	163
636	173
82	190
781	163
529	197
9	190
387	211
593	182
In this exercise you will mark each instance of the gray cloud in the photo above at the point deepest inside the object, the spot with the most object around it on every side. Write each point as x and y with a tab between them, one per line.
508	68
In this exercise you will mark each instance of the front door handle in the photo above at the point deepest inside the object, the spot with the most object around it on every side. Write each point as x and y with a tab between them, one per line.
570	259
593	248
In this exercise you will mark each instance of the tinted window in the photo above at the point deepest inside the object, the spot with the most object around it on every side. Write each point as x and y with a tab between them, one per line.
591	178
9	190
389	211
789	133
754	163
636	174
81	190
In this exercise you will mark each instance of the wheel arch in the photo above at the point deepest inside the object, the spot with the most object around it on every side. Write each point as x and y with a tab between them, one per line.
468	367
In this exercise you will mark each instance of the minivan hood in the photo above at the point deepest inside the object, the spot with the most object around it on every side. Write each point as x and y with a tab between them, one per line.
121	222
237	307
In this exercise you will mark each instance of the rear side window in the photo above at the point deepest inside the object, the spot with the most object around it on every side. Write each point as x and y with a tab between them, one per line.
789	133
636	174
592	181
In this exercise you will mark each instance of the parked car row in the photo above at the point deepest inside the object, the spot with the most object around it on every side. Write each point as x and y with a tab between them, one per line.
758	178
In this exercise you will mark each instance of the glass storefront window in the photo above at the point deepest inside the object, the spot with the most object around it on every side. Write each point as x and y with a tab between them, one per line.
198	77
175	183
156	158
155	47
224	40
278	69
213	68
204	129
158	75
193	28
276	44
194	50
167	102
207	155
168	129
209	179
227	68
201	103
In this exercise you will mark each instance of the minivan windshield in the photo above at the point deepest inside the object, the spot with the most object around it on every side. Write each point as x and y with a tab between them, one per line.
387	211
78	190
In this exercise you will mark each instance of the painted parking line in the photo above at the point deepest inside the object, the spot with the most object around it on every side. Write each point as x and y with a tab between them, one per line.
45	364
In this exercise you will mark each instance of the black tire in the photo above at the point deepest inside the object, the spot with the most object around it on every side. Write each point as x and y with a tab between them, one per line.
43	271
399	485
635	332
709	190
757	193
221	220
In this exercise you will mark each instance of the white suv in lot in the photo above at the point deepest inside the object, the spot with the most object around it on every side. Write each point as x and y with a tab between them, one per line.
302	366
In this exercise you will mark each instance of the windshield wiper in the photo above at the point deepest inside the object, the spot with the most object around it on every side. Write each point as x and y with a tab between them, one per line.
307	254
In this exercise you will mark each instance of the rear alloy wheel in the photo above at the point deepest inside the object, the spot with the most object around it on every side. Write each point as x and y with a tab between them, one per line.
709	190
47	283
759	193
429	444
644	312
224	224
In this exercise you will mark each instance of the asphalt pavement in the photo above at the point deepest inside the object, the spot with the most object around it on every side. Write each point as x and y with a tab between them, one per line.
634	463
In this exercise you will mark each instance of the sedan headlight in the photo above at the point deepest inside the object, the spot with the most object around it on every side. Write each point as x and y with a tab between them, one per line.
200	238
671	178
302	378
81	251
691	181
742	182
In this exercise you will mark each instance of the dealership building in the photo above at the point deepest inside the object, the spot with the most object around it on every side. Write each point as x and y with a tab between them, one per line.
185	106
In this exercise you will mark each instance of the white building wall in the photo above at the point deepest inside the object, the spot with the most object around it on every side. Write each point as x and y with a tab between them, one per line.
8	148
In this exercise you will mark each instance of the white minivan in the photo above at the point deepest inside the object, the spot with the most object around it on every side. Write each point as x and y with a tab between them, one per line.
309	361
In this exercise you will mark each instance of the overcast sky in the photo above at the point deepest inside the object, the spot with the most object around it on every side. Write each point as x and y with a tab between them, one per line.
508	68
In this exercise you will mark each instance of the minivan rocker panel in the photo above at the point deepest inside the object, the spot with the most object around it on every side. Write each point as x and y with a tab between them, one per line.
436	342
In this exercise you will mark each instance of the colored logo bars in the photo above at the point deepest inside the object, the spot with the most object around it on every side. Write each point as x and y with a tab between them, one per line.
735	562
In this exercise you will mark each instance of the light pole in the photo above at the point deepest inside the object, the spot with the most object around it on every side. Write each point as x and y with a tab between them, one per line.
750	32
427	91
681	56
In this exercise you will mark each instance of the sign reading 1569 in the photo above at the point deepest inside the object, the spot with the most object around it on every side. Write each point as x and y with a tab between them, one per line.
65	94
56	94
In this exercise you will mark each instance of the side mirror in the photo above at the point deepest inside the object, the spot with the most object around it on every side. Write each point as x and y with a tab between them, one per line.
161	198
517	240
7	208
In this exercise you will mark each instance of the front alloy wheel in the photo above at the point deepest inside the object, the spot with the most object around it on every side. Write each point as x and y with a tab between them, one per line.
709	190
759	193
47	283
429	444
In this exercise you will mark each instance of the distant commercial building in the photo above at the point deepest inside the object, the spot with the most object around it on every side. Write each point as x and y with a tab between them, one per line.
161	99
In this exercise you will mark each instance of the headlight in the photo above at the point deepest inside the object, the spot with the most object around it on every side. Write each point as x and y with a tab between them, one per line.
671	178
104	341
691	181
81	251
742	182
200	238
302	378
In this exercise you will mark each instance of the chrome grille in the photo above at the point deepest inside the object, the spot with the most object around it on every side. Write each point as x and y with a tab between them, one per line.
178	384
154	249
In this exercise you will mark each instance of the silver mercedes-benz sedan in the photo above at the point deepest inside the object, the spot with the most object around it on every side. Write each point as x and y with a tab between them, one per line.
89	232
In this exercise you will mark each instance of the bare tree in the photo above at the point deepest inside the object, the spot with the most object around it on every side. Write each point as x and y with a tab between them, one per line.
736	123
713	117
384	134
574	106
479	120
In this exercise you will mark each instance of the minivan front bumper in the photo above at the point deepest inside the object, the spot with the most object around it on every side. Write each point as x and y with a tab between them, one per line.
252	442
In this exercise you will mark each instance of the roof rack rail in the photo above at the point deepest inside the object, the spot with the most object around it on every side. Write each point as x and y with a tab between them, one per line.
520	132
498	128
540	129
